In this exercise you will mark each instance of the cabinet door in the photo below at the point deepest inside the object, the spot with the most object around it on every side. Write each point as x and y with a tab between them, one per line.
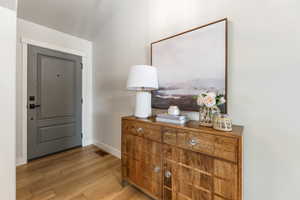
190	175
134	171
142	164
226	180
169	180
187	175
132	155
152	168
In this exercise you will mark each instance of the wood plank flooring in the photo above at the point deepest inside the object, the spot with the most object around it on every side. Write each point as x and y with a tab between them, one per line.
78	174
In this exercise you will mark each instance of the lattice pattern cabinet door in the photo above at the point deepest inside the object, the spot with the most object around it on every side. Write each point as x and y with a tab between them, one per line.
190	175
187	175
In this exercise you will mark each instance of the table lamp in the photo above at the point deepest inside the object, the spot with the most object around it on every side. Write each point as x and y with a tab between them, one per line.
142	79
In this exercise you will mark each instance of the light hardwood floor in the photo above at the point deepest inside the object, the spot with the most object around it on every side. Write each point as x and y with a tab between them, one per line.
78	174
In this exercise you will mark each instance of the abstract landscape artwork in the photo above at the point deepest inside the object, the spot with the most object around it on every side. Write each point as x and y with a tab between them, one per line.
190	63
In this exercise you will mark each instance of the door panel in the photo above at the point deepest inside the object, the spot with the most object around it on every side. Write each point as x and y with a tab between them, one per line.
47	134
56	87
54	101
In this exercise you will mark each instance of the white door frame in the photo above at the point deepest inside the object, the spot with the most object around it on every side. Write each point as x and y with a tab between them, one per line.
85	77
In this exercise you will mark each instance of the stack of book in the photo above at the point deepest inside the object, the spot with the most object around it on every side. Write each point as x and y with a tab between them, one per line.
174	119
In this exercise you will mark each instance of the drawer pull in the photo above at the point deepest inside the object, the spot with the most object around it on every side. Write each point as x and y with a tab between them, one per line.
168	174
140	130
156	169
193	142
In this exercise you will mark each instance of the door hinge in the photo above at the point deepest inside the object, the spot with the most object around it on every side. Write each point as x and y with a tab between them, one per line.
81	100
81	135
81	64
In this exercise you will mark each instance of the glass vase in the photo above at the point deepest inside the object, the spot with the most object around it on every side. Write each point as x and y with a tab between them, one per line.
206	115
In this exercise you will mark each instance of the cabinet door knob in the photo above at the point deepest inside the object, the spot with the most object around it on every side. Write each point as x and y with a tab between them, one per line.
156	169
193	142
168	174
140	130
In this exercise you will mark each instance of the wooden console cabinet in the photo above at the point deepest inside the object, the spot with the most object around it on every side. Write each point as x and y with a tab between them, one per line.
173	162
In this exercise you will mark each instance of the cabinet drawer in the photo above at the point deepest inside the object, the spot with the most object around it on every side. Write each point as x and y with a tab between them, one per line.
138	129
148	131
127	127
195	141
153	133
134	128
217	146
169	136
200	142
226	148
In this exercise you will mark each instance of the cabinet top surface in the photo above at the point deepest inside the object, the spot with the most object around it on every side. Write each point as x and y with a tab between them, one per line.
191	126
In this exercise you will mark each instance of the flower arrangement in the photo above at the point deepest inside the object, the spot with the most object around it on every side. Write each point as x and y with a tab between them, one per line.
210	99
209	102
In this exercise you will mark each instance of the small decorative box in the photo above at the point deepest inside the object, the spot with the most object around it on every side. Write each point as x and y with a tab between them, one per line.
222	122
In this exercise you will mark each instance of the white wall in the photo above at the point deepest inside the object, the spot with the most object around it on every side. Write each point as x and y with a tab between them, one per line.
7	103
264	68
29	30
11	4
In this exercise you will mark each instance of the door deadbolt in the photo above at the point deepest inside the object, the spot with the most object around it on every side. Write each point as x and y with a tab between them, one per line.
31	98
33	106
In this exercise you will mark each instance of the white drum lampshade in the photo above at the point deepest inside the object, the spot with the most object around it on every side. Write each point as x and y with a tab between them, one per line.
143	79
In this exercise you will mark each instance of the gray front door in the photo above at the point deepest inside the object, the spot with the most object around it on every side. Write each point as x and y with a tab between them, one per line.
54	102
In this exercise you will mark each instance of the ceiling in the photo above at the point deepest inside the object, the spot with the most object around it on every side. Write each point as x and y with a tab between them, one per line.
81	18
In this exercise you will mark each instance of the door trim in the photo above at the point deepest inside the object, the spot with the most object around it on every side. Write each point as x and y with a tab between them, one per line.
86	112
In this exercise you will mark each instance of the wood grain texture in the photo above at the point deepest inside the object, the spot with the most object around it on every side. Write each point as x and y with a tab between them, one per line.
141	158
190	126
210	169
79	174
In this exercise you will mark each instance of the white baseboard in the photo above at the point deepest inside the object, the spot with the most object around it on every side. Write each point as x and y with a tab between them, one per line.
87	143
20	161
108	149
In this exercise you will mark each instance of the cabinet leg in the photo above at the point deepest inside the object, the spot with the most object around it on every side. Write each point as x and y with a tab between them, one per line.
124	183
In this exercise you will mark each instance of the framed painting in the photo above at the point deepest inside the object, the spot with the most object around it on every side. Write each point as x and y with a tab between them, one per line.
189	63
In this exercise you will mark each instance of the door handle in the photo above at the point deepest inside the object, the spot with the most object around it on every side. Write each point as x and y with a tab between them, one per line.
193	142
156	169
33	106
168	174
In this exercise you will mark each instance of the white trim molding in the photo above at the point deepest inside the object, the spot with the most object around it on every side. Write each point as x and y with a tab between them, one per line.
51	46
86	93
20	161
109	149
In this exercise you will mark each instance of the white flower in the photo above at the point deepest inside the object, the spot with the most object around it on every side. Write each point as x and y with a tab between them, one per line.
200	100
209	101
222	100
